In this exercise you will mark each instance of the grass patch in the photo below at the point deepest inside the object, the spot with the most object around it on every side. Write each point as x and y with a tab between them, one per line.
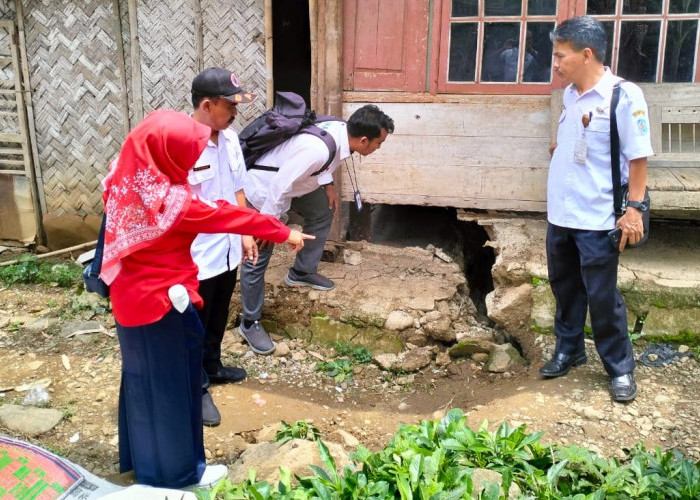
30	270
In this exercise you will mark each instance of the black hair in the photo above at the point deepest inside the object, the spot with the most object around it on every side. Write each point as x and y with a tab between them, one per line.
368	121
583	32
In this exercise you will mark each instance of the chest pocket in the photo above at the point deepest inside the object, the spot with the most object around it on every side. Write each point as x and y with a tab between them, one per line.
598	133
199	174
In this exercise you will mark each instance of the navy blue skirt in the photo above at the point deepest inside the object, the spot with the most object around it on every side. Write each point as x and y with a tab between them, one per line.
160	400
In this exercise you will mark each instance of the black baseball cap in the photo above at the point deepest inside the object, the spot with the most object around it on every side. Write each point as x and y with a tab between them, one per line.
220	82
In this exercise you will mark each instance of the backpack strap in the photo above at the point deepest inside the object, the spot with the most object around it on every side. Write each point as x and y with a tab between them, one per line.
316	132
327	140
615	152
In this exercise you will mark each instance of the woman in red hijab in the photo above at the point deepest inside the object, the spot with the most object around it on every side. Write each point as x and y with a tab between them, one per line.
152	218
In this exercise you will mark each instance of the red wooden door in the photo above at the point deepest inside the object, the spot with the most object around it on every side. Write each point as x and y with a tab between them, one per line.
385	45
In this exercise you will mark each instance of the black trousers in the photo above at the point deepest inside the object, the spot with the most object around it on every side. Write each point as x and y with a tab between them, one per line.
583	275
217	293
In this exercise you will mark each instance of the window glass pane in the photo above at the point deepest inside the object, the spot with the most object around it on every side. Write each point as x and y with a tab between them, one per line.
541	7
537	65
642	7
462	52
684	6
600	7
464	8
680	51
609	27
639	47
502	7
500	62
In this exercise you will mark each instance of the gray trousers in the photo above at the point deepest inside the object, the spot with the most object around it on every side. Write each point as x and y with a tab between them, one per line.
313	207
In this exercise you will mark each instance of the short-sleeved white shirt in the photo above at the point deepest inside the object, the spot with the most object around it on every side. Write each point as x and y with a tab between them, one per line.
297	159
217	175
580	196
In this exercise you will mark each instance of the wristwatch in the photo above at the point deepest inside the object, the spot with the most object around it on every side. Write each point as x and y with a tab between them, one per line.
639	205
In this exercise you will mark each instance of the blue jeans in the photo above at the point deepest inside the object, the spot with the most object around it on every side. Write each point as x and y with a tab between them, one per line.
583	275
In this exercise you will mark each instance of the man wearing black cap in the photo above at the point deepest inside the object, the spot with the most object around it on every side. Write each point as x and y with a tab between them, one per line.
218	175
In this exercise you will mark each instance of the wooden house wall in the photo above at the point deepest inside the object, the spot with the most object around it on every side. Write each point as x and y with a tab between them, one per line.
484	152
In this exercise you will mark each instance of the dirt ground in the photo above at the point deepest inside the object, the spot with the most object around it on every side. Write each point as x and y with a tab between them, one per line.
576	409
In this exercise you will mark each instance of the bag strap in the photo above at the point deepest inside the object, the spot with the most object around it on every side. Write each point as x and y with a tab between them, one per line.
96	265
615	152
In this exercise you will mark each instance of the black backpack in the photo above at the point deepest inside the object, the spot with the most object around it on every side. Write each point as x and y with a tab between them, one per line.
287	118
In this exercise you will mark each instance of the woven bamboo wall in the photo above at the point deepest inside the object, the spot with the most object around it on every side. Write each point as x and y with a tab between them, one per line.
76	96
77	82
234	38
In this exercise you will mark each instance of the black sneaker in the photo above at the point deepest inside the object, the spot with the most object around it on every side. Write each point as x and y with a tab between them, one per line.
226	374
257	338
210	414
314	280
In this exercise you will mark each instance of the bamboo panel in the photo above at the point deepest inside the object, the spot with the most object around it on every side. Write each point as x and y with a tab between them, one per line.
234	38
168	55
76	97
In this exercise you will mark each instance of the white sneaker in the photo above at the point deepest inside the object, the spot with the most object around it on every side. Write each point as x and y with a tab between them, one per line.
212	475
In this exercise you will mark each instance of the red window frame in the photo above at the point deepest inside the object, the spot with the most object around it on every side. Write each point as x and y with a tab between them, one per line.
446	20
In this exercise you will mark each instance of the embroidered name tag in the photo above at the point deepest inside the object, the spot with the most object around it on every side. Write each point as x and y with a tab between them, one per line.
201	167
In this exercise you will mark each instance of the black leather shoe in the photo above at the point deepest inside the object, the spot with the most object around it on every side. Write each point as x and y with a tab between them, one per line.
227	374
560	364
623	388
210	414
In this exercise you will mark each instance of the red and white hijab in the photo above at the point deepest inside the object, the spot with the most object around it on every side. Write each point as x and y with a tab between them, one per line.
146	190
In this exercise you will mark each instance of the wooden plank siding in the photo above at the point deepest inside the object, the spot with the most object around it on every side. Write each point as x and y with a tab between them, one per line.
489	152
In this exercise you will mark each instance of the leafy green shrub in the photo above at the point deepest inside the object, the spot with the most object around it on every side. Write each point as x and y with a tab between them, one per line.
339	369
301	429
436	460
360	354
30	270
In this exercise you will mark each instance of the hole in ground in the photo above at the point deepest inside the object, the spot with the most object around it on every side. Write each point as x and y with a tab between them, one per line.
411	225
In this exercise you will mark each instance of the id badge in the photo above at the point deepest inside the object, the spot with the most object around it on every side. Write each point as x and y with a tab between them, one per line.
580	150
358	200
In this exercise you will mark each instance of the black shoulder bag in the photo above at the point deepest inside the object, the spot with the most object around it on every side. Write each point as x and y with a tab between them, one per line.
91	273
621	191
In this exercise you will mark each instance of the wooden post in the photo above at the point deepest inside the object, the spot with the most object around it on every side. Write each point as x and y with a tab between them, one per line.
268	54
313	24
333	82
199	35
121	61
27	122
136	77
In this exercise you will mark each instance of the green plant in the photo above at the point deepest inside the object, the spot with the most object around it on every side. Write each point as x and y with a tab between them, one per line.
13	326
340	369
30	270
301	429
360	354
436	460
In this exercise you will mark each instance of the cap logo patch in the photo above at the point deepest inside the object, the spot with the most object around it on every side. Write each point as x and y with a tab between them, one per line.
234	80
238	98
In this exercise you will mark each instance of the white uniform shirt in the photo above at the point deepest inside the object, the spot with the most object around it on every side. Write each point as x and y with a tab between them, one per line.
580	195
297	158
217	175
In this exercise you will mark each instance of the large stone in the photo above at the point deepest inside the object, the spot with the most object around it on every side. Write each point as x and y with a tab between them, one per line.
398	320
504	358
385	361
510	307
377	340
296	454
29	420
415	359
469	347
441	330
